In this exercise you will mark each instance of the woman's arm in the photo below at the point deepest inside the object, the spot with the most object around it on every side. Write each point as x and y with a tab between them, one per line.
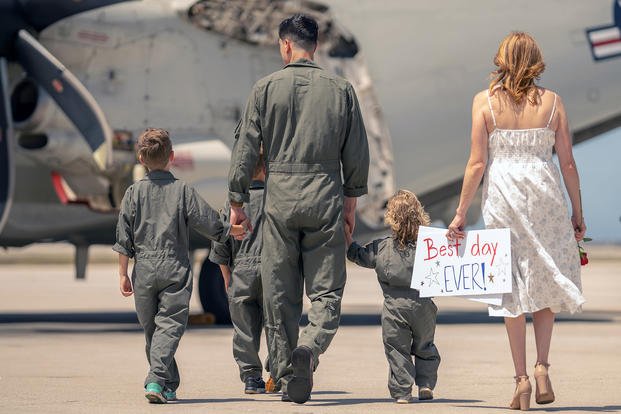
566	161
475	167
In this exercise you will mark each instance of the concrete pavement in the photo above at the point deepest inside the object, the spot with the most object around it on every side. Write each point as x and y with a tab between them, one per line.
72	347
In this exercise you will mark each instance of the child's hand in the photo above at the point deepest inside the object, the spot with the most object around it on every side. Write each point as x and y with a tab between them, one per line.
126	286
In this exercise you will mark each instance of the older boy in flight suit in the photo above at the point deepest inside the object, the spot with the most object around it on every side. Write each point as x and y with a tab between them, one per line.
154	224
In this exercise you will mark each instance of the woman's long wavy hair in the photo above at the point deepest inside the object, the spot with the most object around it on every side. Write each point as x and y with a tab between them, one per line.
520	64
405	214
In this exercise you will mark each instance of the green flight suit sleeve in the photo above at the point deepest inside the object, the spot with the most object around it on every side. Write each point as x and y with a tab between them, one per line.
203	218
355	150
125	226
221	252
364	256
245	150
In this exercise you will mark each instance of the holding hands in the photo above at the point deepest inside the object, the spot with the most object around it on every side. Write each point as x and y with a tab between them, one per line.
349	215
240	223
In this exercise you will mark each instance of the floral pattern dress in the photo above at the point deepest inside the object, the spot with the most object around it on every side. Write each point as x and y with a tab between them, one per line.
522	192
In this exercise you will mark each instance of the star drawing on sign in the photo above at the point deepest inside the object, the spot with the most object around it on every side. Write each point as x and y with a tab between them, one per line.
432	276
491	278
437	263
502	265
422	283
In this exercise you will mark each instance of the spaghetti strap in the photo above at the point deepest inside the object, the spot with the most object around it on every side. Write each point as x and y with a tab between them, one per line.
552	113
489	101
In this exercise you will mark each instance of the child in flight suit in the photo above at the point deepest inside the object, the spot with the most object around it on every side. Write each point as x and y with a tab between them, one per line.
408	321
154	225
243	260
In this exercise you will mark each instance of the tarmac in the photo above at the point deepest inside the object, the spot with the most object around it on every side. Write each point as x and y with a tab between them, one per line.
69	346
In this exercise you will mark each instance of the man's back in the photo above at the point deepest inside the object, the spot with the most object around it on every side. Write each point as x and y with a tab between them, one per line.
309	122
305	114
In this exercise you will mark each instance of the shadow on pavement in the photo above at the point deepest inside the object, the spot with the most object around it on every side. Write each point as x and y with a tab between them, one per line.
355	401
362	319
590	409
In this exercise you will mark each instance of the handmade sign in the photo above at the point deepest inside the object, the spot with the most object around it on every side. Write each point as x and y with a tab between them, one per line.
478	266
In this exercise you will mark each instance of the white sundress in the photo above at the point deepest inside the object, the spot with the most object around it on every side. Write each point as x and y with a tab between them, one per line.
522	192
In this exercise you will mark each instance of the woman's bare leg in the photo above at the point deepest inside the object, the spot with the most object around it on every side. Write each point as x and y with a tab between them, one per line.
516	330
543	321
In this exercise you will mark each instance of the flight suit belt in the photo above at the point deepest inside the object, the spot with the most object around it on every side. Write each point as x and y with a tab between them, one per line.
285	167
161	255
246	260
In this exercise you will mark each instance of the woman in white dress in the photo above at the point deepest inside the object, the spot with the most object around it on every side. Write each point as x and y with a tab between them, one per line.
515	126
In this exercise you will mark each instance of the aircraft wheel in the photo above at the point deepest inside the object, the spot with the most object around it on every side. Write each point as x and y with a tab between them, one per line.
212	294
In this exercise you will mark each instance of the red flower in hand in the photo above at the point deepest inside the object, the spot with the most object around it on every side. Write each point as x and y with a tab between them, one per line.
583	256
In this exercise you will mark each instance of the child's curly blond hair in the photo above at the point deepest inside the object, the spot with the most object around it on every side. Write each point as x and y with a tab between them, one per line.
405	214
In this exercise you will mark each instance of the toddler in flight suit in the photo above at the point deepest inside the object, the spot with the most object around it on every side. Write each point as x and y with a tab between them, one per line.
240	262
154	225
408	321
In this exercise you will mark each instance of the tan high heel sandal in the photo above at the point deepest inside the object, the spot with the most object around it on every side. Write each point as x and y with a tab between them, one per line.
521	396
543	391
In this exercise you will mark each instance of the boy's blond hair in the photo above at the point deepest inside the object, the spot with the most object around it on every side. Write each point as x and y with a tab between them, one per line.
405	214
154	148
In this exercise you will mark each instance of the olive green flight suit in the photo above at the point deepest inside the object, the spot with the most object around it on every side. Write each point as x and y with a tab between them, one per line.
245	292
408	321
154	225
316	152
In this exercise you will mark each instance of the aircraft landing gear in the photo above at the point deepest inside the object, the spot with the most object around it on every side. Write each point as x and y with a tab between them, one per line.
212	293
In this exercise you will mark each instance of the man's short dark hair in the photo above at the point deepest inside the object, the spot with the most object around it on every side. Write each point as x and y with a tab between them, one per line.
301	30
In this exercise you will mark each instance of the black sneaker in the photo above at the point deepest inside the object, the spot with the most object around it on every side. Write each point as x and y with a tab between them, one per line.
285	397
254	385
300	386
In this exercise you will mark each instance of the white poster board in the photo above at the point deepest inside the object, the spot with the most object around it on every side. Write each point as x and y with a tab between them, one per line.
477	267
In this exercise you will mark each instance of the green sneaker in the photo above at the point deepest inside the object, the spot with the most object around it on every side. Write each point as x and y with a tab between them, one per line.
153	393
170	395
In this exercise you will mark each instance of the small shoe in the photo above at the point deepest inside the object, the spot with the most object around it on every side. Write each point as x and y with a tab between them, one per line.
153	393
254	385
285	397
404	400
544	394
301	384
425	393
271	387
521	395
169	394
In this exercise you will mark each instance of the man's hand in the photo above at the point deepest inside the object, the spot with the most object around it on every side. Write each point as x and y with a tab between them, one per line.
238	216
349	213
126	286
348	236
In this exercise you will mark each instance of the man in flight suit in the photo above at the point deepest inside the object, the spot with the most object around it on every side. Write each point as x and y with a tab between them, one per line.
317	156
